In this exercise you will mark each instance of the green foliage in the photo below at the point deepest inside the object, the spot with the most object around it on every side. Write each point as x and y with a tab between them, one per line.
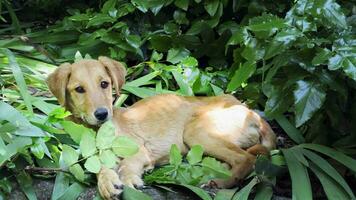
295	60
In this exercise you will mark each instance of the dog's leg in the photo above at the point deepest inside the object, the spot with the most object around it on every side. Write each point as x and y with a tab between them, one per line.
132	168
109	184
240	161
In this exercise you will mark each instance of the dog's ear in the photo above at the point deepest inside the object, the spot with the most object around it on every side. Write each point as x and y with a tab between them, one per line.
57	82
116	71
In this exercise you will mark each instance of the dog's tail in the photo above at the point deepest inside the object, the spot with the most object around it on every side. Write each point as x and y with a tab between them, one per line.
267	140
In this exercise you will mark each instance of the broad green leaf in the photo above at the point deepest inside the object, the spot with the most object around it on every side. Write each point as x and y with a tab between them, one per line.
245	192
124	146
26	185
87	145
347	63
184	86
93	164
331	12
183	4
14	147
321	57
195	154
331	188
309	97
198	191
61	183
177	54
290	129
72	192
142	92
266	22
133	194
224	194
329	170
77	171
108	158
2	147
20	81
37	149
23	126
280	99
99	19
211	6
211	165
241	75
334	154
105	135
301	188
175	157
264	192
75	131
70	156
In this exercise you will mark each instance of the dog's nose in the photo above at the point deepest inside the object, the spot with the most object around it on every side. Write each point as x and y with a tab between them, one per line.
101	114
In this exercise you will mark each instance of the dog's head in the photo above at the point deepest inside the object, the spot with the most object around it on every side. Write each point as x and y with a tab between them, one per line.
85	87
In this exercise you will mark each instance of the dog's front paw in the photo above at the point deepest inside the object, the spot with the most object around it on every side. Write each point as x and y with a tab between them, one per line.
132	180
109	184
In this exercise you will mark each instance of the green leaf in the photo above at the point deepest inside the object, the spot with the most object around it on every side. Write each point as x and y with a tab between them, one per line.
2	147
75	131
309	97
37	149
321	57
70	156
224	194
331	188
183	4
93	164
264	192
61	183
105	135
195	154
87	145
184	86
336	155
143	80
20	81
99	19
26	185
132	194
301	188
198	191
72	192
347	63
331	12
176	55
211	165
211	6
329	170
124	146
23	126
175	157
245	192
108	158
266	22
241	75
290	129
77	171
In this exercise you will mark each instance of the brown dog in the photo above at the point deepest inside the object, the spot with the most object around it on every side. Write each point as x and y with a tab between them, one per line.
226	129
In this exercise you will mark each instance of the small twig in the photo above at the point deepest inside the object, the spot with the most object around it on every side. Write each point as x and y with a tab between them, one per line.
44	170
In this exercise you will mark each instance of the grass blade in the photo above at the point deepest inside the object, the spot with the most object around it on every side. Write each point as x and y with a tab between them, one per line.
336	155
291	131
19	78
331	188
245	192
328	169
301	188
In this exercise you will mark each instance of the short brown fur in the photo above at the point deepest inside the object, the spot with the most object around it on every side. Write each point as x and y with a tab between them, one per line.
225	127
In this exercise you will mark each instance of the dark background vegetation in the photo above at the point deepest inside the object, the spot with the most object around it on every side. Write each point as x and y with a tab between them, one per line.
293	60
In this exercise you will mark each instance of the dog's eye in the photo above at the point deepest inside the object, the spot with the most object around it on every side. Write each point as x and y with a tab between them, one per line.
79	89
104	84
